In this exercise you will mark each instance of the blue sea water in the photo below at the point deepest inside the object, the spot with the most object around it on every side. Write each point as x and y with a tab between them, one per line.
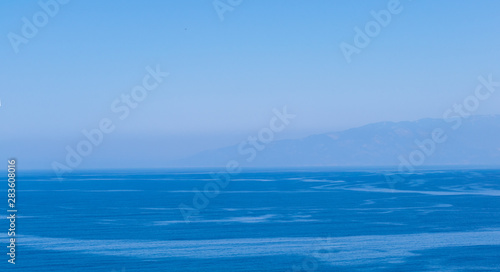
307	220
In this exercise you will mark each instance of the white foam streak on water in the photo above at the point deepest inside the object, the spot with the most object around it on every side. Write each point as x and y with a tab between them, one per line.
485	192
338	250
267	218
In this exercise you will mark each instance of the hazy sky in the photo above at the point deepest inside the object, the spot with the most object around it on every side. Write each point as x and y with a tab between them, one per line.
226	76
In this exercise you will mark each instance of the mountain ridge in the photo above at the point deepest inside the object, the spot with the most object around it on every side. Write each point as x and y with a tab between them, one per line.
475	142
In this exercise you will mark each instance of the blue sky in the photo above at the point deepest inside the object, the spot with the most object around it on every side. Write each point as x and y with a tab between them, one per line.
227	76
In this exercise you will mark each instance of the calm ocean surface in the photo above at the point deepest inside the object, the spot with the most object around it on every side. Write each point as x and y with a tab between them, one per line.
311	220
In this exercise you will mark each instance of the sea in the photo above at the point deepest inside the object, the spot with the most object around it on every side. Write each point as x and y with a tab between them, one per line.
315	219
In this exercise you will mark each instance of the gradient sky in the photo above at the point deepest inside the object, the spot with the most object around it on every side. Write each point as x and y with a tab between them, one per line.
227	76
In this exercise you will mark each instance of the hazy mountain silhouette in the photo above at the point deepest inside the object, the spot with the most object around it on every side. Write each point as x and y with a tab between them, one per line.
475	142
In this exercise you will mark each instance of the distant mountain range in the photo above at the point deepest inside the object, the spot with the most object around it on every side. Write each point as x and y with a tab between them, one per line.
475	142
